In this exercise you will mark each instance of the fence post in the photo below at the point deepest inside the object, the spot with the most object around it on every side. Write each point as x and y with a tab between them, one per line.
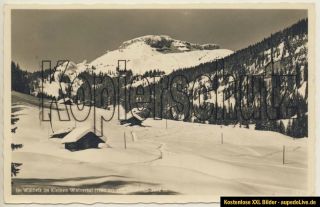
283	154
125	140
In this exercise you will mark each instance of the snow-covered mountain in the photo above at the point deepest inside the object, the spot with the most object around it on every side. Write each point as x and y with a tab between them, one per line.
158	52
146	53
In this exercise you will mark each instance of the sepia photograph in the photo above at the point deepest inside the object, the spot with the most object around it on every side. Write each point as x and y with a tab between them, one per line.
165	104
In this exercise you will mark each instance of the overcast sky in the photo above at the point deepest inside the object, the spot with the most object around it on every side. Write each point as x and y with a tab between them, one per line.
87	34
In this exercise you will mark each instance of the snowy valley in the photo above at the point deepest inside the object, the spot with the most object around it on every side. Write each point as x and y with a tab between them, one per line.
207	121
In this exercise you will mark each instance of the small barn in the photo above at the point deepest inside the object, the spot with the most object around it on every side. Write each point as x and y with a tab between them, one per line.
88	103
82	138
66	101
132	121
133	118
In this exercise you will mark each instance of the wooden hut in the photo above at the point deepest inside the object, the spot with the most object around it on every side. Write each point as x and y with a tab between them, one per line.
82	138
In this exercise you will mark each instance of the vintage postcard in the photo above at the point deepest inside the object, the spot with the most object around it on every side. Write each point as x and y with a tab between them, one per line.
165	104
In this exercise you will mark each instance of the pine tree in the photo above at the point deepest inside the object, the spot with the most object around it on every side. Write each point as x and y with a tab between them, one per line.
282	129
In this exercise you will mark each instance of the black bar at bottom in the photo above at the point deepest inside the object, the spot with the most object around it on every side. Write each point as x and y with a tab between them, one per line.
269	201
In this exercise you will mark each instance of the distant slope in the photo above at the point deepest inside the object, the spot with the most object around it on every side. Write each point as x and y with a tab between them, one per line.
279	63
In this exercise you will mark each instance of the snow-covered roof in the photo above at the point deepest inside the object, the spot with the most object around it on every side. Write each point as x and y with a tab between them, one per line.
78	133
138	117
134	113
64	100
60	131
